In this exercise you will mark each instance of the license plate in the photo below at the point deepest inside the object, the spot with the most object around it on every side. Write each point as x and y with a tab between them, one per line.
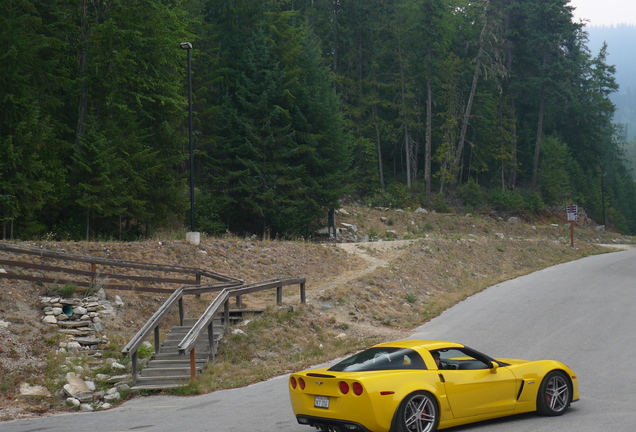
321	402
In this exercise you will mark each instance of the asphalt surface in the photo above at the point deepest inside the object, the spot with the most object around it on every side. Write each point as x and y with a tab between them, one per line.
582	313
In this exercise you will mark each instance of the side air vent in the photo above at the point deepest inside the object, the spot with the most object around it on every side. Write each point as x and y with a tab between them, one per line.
523	383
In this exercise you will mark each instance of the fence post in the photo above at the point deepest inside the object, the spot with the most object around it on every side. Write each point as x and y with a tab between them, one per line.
279	295
193	364
239	302
181	313
157	343
211	340
134	367
226	314
302	293
93	271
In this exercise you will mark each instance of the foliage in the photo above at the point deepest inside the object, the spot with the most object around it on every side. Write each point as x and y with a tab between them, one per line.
297	104
505	200
471	193
65	291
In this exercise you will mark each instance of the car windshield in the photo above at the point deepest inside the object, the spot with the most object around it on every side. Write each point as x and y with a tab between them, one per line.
381	358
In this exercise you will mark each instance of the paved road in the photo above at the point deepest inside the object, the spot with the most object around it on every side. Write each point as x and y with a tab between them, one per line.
582	313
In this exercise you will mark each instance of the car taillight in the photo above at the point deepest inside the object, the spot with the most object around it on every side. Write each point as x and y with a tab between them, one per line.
357	388
293	382
344	387
301	383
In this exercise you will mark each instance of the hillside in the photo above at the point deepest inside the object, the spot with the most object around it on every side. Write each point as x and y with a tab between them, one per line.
357	293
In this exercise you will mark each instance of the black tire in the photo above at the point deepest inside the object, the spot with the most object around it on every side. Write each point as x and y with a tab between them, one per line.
417	409
555	394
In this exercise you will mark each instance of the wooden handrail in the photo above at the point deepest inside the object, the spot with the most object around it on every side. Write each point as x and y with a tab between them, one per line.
152	325
206	320
93	274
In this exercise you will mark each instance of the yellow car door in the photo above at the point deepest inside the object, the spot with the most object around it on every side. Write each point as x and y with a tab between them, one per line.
479	392
475	384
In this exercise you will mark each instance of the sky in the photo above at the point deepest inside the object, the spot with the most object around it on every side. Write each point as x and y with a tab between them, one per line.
605	12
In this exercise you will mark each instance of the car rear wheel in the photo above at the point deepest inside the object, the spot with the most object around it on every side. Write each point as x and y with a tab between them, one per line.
555	394
418	412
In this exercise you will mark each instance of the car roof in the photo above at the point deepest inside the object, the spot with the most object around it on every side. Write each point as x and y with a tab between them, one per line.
421	344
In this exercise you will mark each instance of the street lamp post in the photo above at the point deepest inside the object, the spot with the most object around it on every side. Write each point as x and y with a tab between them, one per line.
188	47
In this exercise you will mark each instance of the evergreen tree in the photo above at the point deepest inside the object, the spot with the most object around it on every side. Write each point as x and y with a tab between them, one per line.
29	166
281	153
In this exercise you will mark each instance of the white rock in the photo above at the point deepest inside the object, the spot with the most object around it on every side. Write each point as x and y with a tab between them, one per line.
86	407
238	332
73	346
118	301
72	402
49	319
112	397
116	365
349	227
101	377
81	395
27	389
4	324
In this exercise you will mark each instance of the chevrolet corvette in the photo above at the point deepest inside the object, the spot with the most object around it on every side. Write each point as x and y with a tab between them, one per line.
423	386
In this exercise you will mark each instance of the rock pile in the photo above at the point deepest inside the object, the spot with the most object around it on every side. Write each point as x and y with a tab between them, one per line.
81	321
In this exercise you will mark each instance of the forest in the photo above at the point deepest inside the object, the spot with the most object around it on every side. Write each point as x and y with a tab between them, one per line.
488	105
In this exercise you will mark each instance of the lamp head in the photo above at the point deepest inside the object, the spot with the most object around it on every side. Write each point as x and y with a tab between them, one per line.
186	45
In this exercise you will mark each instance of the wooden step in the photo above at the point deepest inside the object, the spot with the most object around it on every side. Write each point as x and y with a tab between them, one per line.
169	369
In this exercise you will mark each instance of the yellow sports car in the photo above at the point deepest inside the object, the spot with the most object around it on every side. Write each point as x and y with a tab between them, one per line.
418	385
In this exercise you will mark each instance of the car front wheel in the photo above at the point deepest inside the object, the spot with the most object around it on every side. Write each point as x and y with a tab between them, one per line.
418	412
555	394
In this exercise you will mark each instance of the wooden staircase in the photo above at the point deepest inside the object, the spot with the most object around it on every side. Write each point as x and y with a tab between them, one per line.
168	369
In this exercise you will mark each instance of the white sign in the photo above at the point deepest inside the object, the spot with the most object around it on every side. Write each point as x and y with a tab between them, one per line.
572	212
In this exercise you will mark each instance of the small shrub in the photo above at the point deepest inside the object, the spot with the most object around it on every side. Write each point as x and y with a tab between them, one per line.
410	298
145	351
505	200
534	202
471	193
65	291
440	205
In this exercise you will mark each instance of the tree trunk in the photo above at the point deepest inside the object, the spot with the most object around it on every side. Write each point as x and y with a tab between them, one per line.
83	59
512	179
429	137
537	144
467	112
379	146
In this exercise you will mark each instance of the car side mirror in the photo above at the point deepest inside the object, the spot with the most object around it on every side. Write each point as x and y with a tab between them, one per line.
494	366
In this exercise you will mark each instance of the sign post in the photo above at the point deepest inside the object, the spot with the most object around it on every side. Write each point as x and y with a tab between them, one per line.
572	212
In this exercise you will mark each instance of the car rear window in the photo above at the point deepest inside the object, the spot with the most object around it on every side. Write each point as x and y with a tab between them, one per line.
381	358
